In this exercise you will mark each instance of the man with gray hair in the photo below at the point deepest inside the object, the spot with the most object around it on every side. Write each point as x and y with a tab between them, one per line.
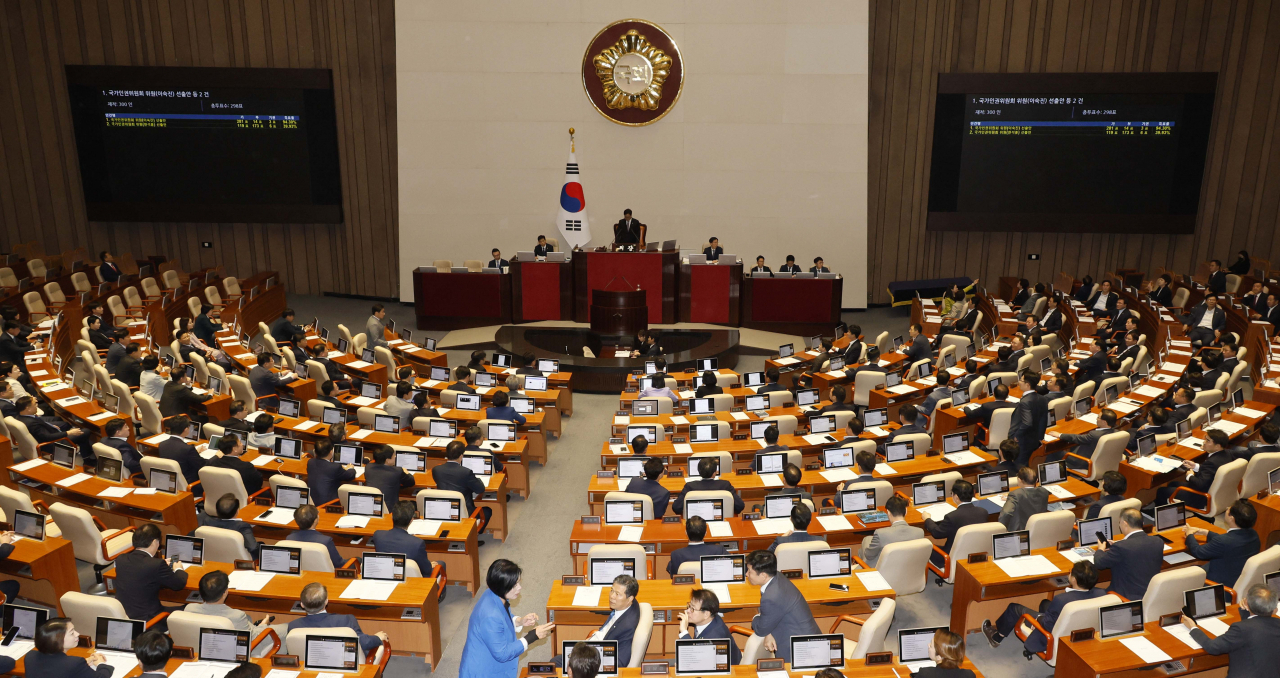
314	598
624	617
1252	645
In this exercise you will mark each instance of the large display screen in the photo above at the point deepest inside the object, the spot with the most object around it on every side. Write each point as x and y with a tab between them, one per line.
1076	152
206	144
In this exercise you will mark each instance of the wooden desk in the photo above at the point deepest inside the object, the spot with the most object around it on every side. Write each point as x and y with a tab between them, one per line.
1102	657
44	569
1268	519
560	381
855	668
172	513
455	545
668	601
415	636
982	590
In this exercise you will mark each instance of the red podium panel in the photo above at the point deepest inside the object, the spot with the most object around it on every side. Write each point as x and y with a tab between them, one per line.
709	293
541	291
654	272
450	301
796	305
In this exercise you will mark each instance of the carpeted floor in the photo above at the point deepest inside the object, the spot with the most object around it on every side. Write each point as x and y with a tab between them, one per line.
540	525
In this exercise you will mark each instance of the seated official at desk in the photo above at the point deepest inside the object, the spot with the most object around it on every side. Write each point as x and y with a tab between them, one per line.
383	475
140	576
108	271
695	528
502	409
314	599
100	340
454	477
325	475
1270	434
306	516
965	514
1027	500
117	438
853	432
49	658
1114	486
909	417
624	617
1199	475
208	324
708	470
791	477
1133	558
1252	645
790	266
265	382
226	508
463	376
1080	586
710	385
178	398
838	402
771	435
940	392
772	375
176	448
1226	553
801	516
783	610
154	650
213	591
627	230
898	530
1157	423
239	418
947	651
398	540
263	436
497	261
232	449
1009	454
760	267
818	266
399	404
649	485
542	248
864	464
714	250
701	619
284	329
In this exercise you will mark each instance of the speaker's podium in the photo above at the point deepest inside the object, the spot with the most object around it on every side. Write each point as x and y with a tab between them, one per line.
619	312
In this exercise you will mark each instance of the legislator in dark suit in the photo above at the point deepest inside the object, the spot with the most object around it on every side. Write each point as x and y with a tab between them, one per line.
919	350
713	254
693	552
398	540
314	537
265	382
109	272
1096	302
235	525
1225	553
716	628
60	664
391	479
327	620
626	232
323	478
283	331
1270	314
939	672
1133	561
1252	646
1096	507
188	459
139	579
1217	282
1036	642
132	460
1086	444
654	489
985	410
1199	481
796	537
623	629
234	424
1051	323
129	371
1217	322
1162	295
784	613
965	514
700	485
249	474
178	399
1027	425
455	477
12	349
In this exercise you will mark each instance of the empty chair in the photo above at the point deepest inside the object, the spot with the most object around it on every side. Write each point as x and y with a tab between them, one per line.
222	545
36	310
151	462
345	492
1257	567
90	541
171	279
903	565
1255	474
871	633
8	278
473	265
780	398
37	268
279	480
1115	508
296	640
969	539
53	292
604	551
315	557
863	384
184	628
148	414
722	402
786	423
220	481
795	555
80	282
1047	529
84	609
1164	593
1208	398
12	500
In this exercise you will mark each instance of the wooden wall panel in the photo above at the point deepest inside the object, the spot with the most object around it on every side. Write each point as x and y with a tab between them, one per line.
40	192
912	41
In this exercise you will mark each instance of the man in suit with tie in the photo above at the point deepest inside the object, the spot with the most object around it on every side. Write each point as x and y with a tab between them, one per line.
1270	443
1157	423
117	438
453	476
1000	401
1080	586
398	540
178	398
773	375
1255	300
852	352
543	247
1103	302
1086	443
965	514
497	261
314	598
1051	323
266	382
1021	294
1133	559
1205	322
649	485
695	528
919	348
108	270
818	266
50	429
701	619
463	376
1117	321
325	475
627	230
1199	476
13	347
129	369
306	516
790	266
1252	644
1271	313
760	267
176	448
1226	553
713	251
1217	283
783	610
231	448
1029	302
708	469
1131	347
1030	417
1183	405
140	576
898	530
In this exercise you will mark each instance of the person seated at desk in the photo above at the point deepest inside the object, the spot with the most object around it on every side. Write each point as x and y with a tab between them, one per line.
386	476
149	381
231	450
398	540
226	508
49	658
695	528
791	477
659	389
463	375
117	438
909	416
1081	583
1027	500
838	402
320	354
1205	323
714	250
919	347
129	368
965	514
1199	475
530	365
864	463
624	616
627	230
1226	553
1000	401
502	409
266	382
178	398
701	619
1217	282
543	247
208	324
49	429
497	261
154	650
284	329
9	587
115	350
188	344
140	576
398	406
1128	346
238	421
818	266
710	385
213	591
325	475
13	346
422	405
263	436
1252	645
940	392
477	362
306	516
108	270
1133	559
314	598
1086	443
1270	442
177	448
1162	291
1103	302
801	516
8	401
649	485
947	651
783	610
97	337
760	267
772	375
853	431
898	530
1113	488
790	266
771	435
707	469
852	351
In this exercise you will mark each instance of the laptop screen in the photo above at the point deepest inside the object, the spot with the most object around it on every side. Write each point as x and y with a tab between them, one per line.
370	389
605	570
780	505
1052	472
722	569
899	451
753	379
701	406
772	462
757	403
695	462
330	653
817	652
824	424
333	416
1089	530
348	454
708	364
109	469
707	509
288	448
480	464
608	650
913	644
649	433
441	509
704	433
1209	601
27	619
64	455
501	432
624	512
280	559
1011	544
876	417
759	427
468	402
225	645
364	504
484	379
857	500
440	428
439	373
117	634
1170	516
523	405
532	383
385	566
502	359
545	365
993	483
923	494
631	467
955	442
413	462
164	481
807	396
830	563
703	656
29	524
1146	444
1120	620
290	497
644	408
837	457
185	549
290	408
786	350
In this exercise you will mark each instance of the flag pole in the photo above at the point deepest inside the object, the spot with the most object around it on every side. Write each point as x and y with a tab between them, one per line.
570	139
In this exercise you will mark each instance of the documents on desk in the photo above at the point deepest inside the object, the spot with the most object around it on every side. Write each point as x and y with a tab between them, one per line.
819	439
771	480
1228	427
766	526
424	528
739	416
358	364
263	460
1250	413
679	421
631	533
1184	634
902	389
838	475
122	662
1213	625
1175	558
619	449
361	434
157	439
1026	566
1176	368
202	670
73	479
1164	378
1122	408
276	516
352	522
100	416
362	401
587	596
115	492
246	580
1156	463
369	589
1059	491
834	523
687	395
683	448
1149	391
963	457
17	648
306	425
1145	649
939	511
721	591
1091	418
877	431
1078	554
719	528
873	581
28	464
787	361
885	469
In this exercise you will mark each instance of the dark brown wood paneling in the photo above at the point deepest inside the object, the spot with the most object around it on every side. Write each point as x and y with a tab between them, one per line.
914	40
40	192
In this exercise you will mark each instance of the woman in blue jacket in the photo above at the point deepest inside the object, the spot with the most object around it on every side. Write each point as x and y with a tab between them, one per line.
493	649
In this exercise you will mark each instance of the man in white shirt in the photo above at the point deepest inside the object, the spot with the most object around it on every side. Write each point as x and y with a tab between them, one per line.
150	382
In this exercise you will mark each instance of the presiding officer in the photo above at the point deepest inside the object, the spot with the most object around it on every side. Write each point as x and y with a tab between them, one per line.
627	230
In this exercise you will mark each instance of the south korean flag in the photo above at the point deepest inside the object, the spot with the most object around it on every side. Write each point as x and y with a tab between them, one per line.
572	220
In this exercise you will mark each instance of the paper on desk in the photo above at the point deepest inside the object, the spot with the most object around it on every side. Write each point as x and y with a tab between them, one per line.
933	318
37	373
901	389
245	580
1157	464
100	416
359	471
631	533
937	511
1145	649
873	581
350	522
719	528
997	499
619	448
739	416
72	480
882	363
362	401
771	479
482	390
928	381
1164	378
818	438
621	354
32	463
115	492
276	516
1176	368
685	395
963	457
837	475
1091	418
73	400
369	589
721	591
587	596
876	431
121	662
281	673
358	364
144	490
1059	491
772	674
17	648
424	528
1180	343
1184	634
1228	427
1213	625
262	460
1074	556
621	420
1248	412
683	448
209	454
1026	566
1177	352
787	361
361	434
834	523
772	525
1149	391
885	469
306	425
1121	407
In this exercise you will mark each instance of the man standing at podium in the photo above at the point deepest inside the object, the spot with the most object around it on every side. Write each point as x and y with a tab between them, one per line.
627	230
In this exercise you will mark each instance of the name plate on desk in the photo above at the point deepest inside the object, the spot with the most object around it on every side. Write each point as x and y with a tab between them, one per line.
815	466
747	517
285	660
542	669
180	652
591	520
670	519
604	474
677	440
631	389
1066	545
617	441
573	580
1170	619
1082	635
681	579
977	558
262	501
675	474
243	564
878	658
745	471
651	668
763	665
742	436
349	573
792	574
334	509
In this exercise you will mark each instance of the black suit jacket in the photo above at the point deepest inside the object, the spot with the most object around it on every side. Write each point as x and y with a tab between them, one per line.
324	477
178	399
1030	419
1253	646
965	514
1217	282
109	271
460	386
129	371
1270	314
1118	319
132	460
37	663
1052	321
792	268
626	234
282	331
139	579
704	391
712	253
540	251
1203	478
1254	302
390	479
1219	321
41	430
1133	561
693	552
660	495
177	449
458	478
1161	295
1179	413
1226	553
716	628
249	474
1089	368
624	631
985	410
699	485
919	350
234	424
12	349
1111	304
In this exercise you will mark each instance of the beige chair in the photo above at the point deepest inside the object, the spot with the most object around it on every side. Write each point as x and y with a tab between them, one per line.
1256	568
12	500
54	294
1061	407
722	402
949	478
221	481
316	408
172	280
786	424
645	500
883	488
90	540
1083	391
358	344
37	268
473	265
903	563
1081	614
385	357
969	539
1106	456
863	384
1208	398
1121	382
726	462
978	388
345	492
1009	379
148	414
241	389
36	310
795	555
28	449
605	551
1224	491
920	442
1047	529
184	629
222	545
640	639
1255	474
940	362
871	633
7	277
724	496
1198	417
344	333
423	495
1114	509
1164	592
152	462
80	282
84	609
278	480
780	399
315	557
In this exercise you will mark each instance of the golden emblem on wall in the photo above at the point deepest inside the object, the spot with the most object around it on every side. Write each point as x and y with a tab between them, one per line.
632	72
